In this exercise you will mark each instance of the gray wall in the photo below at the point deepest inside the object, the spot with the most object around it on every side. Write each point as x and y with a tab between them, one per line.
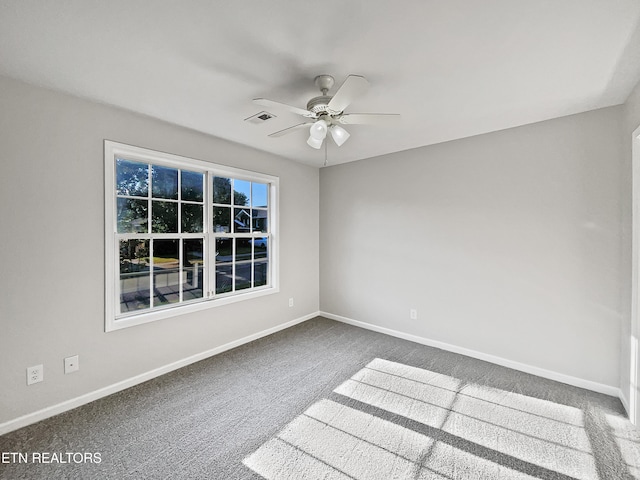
52	255
507	243
631	121
515	243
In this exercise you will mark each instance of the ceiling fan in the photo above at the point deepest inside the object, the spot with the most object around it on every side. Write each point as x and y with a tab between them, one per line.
326	112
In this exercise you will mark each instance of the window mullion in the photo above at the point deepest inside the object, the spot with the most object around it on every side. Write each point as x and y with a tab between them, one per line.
180	205
211	239
214	244
181	273
151	271
253	260
149	202
233	263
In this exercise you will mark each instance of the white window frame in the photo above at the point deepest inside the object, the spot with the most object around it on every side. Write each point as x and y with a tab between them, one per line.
113	150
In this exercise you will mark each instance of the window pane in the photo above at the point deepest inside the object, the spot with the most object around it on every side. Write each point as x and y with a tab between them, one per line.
132	215
243	276
224	250
164	181
259	195
191	218
224	279
260	247
222	190
241	192
134	275
222	219
224	269
259	220
166	272
192	186
243	249
259	274
193	252
132	178
241	220
164	217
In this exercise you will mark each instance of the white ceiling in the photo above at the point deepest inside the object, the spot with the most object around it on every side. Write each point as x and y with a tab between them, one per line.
451	68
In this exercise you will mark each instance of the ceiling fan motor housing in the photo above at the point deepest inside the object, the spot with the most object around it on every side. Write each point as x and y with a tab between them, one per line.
319	105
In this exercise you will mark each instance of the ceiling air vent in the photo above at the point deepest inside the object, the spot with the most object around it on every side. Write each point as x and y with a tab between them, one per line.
260	117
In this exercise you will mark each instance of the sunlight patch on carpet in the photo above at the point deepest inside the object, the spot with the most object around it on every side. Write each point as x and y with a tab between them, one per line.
394	421
628	441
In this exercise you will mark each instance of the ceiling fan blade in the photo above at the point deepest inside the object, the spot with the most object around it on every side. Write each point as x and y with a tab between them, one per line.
270	103
369	118
353	87
289	130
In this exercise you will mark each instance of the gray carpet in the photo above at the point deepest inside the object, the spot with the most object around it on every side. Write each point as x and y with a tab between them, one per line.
324	400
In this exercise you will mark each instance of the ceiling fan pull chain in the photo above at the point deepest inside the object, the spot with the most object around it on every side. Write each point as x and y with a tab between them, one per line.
325	153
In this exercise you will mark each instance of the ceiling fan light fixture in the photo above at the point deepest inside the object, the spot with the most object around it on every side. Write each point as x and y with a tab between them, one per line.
318	130
314	142
339	135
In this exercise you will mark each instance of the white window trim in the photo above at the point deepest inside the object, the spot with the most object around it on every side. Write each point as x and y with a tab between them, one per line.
111	151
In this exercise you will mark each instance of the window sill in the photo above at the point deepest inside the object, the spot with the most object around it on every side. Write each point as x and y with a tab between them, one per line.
142	318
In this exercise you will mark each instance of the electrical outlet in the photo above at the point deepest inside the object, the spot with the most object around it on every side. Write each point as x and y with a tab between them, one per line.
35	374
71	364
413	314
291	302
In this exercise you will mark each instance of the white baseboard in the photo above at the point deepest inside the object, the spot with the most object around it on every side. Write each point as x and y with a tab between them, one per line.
67	405
540	372
47	412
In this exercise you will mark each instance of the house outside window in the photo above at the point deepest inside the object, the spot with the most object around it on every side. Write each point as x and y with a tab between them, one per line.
183	235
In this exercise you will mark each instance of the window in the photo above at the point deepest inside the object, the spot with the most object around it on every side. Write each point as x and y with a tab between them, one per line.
183	235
